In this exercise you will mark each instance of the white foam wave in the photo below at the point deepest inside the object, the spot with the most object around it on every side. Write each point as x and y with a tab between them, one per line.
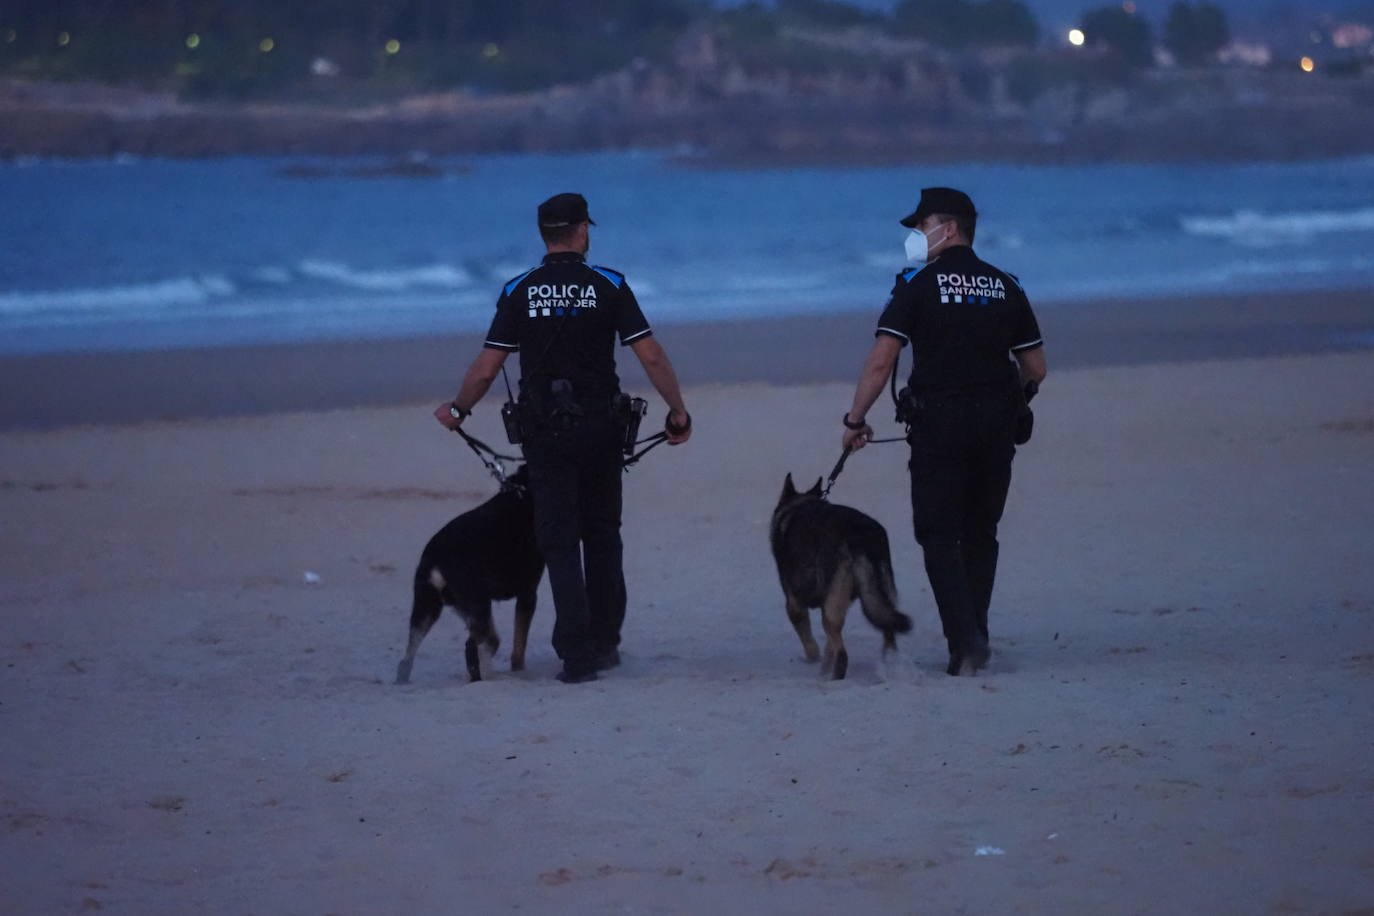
1252	227
444	276
179	291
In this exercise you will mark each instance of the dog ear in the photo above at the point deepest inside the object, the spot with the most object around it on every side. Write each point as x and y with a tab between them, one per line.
788	488
816	490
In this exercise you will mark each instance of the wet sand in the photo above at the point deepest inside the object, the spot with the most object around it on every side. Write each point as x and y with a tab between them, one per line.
76	388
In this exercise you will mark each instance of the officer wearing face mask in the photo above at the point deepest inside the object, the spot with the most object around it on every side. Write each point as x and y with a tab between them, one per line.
977	356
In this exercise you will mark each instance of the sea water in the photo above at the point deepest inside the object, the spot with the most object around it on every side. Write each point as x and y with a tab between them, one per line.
130	254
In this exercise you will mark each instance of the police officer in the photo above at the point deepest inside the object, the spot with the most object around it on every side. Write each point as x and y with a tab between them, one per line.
962	317
563	317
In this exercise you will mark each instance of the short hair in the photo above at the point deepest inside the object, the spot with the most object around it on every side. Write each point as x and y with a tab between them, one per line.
967	224
558	235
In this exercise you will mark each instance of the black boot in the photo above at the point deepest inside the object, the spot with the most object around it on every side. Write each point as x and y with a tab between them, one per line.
577	671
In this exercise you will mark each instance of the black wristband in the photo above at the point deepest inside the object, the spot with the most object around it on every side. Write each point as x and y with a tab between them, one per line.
458	413
673	428
848	425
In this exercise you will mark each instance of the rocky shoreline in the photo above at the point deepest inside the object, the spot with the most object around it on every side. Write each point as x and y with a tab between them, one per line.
1259	119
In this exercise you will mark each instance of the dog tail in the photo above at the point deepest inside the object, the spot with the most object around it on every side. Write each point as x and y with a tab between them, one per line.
427	606
878	595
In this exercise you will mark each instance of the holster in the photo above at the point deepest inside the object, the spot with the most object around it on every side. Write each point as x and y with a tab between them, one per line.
510	419
909	407
1025	417
628	411
1025	425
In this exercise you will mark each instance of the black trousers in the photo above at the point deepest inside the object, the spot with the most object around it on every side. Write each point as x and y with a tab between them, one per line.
575	484
961	454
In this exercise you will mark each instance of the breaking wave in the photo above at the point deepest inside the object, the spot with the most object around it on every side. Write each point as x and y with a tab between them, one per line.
1253	227
434	276
134	297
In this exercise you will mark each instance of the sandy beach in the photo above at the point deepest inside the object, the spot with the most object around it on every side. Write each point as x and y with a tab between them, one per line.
200	620
73	389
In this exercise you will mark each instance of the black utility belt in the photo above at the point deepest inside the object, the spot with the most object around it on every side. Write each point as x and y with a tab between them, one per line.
559	409
910	404
978	393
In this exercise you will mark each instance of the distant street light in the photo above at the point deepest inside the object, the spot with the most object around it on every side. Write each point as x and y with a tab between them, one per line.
491	51
266	45
1076	37
64	39
1307	64
393	46
11	37
193	41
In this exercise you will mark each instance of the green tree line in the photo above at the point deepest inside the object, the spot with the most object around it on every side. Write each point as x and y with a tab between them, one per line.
236	48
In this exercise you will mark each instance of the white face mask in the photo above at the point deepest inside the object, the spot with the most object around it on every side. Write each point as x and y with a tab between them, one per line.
917	246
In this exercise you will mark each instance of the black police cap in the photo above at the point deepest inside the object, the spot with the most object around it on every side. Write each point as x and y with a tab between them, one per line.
940	200
564	210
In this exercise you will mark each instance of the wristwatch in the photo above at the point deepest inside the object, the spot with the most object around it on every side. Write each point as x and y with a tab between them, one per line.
848	425
457	412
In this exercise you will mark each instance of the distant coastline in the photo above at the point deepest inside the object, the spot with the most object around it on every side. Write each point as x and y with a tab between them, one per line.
1235	117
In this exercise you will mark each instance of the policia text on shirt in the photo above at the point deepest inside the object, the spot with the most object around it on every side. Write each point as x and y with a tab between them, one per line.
977	357
563	317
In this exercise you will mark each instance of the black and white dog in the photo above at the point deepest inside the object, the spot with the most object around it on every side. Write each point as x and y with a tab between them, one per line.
486	554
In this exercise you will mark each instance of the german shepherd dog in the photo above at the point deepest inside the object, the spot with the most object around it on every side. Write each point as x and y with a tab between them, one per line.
486	554
827	556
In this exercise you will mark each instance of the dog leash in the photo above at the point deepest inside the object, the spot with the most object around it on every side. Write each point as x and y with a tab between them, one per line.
655	441
844	456
839	465
835	472
493	464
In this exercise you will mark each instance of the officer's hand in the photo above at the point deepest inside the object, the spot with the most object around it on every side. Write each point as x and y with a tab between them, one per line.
855	439
678	426
446	418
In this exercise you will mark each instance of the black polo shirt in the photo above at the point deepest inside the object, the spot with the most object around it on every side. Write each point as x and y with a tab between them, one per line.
962	317
563	317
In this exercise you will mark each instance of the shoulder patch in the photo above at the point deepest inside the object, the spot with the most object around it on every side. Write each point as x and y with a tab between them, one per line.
614	276
907	275
510	287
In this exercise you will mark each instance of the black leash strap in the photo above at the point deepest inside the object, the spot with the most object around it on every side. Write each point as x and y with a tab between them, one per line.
839	465
481	450
657	439
835	472
653	441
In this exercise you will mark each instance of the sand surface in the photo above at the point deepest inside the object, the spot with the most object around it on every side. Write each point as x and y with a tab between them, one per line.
46	391
1179	717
